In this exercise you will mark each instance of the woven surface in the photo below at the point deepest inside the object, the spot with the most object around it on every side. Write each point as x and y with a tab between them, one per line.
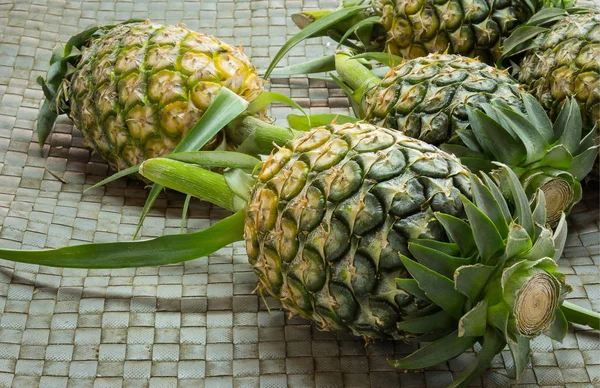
197	324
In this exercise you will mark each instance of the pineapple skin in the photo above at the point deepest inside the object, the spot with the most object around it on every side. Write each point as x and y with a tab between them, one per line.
140	87
473	28
331	215
426	98
567	63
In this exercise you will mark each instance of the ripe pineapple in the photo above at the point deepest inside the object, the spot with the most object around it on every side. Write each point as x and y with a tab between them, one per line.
135	89
365	230
474	28
564	62
478	113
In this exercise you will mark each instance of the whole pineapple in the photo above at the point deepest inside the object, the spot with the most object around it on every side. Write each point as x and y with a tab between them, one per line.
427	98
565	62
137	88
365	230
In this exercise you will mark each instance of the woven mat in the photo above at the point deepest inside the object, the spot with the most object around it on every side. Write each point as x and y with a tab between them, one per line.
196	324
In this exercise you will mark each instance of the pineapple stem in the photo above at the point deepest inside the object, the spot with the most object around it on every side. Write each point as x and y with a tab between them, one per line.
357	76
581	316
535	303
260	137
192	180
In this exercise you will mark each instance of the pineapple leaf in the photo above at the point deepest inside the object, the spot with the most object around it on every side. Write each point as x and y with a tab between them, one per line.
568	125
487	238
546	15
560	237
518	241
495	190
520	35
556	157
461	151
474	322
354	29
534	143
421	325
538	116
115	176
496	139
318	26
437	261
471	279
589	140
520	350
459	231
438	288
488	204
493	343
46	119
412	287
583	163
539	212
444	247
436	352
477	165
559	327
580	316
353	96
159	251
524	215
239	182
184	212
306	123
543	246
267	98
319	65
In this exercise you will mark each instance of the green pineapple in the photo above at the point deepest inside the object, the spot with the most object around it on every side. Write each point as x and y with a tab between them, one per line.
135	89
365	230
482	115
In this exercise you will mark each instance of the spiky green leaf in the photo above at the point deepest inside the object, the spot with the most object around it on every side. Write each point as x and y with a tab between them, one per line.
436	321
556	157
115	176
470	280
493	343
383	58
543	246
184	212
530	136
560	237
485	201
581	316
444	247
520	350
538	116
436	352
267	98
521	35
487	238
240	183
438	288
355	28
539	212
524	215
46	119
437	261
459	231
320	25
500	200
559	327
518	241
412	287
159	251
495	139
474	322
583	163
211	159
568	125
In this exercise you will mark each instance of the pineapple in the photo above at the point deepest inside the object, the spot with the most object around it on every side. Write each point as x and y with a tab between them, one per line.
365	230
565	62
480	114
135	89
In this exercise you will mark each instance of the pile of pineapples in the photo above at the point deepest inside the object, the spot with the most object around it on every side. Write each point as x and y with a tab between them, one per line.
428	217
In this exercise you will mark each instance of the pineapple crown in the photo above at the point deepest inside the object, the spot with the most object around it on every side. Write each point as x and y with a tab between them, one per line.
62	65
547	156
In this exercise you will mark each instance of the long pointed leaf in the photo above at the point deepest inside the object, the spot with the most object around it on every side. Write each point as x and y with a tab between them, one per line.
267	98
559	327
438	288
581	316
383	58
560	237
363	23
519	36
534	142
525	217
583	163
485	201
459	231
318	65
421	325
474	322
486	235
538	117
159	251
570	126
495	190
209	159
437	261
412	287
115	176
46	119
520	351
444	247
492	345
436	352
319	25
